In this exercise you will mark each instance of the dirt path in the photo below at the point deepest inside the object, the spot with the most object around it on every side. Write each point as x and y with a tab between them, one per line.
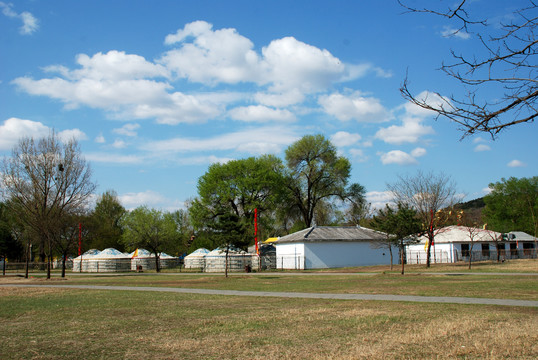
411	298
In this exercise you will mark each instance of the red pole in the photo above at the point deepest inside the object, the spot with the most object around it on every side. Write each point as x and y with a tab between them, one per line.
256	230
79	238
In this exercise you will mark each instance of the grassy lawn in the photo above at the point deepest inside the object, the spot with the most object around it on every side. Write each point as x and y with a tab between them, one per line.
94	324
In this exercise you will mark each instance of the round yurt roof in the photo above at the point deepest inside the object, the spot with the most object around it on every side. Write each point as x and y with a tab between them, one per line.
198	252
221	251
89	253
111	253
143	253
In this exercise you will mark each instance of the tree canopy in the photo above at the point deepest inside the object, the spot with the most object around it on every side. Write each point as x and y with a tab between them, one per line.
512	205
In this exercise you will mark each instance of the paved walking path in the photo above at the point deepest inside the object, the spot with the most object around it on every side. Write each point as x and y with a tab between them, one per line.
411	298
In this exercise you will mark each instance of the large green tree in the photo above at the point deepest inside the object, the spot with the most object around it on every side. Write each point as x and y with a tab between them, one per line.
104	223
317	174
239	187
151	229
512	205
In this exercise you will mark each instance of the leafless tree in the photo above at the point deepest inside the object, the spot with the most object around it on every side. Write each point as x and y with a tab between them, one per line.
508	72
428	194
46	181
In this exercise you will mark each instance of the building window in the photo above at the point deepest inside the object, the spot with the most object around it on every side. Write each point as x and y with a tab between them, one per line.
465	250
513	249
485	250
528	248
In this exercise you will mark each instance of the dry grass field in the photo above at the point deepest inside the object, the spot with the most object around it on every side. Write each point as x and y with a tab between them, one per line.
98	324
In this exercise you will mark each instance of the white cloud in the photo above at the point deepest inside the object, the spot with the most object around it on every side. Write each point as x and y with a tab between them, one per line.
253	141
410	131
76	134
516	163
221	56
378	199
109	158
119	144
482	147
358	155
453	32
418	152
127	130
29	23
100	139
343	138
260	113
354	107
282	99
148	198
13	129
397	157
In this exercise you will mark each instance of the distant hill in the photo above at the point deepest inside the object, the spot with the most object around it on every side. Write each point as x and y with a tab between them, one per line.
473	204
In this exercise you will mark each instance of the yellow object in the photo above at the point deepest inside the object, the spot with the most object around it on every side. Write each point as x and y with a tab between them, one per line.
426	246
135	253
270	240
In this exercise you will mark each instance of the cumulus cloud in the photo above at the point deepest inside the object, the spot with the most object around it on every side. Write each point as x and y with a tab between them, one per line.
354	106
127	130
286	72
456	33
378	199
14	129
343	138
358	155
516	163
29	23
253	141
110	158
410	131
482	147
148	198
260	113
397	157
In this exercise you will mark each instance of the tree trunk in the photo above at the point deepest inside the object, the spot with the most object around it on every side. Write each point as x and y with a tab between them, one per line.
226	262
390	251
63	265
157	264
402	258
28	255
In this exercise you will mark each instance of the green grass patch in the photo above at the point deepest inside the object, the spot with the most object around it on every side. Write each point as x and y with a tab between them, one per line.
96	324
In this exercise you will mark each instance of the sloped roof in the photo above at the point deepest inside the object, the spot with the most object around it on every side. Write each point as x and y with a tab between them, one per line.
522	236
111	253
333	233
454	233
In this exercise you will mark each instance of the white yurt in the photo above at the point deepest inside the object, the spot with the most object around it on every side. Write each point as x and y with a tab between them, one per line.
109	260
81	262
142	259
196	259
215	261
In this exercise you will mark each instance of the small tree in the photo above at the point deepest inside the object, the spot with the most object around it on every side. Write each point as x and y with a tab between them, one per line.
402	227
427	194
150	229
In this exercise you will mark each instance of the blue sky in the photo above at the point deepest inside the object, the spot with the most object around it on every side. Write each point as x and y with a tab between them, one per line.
156	91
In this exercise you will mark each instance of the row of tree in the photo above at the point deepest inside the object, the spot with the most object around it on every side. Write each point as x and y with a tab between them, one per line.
47	187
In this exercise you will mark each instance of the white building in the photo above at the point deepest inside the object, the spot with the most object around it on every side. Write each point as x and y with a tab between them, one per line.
454	243
321	247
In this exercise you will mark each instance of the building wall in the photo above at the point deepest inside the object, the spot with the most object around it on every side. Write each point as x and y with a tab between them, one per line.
331	254
290	256
344	254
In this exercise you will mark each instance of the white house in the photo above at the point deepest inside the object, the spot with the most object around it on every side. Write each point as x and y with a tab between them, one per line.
321	247
454	243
